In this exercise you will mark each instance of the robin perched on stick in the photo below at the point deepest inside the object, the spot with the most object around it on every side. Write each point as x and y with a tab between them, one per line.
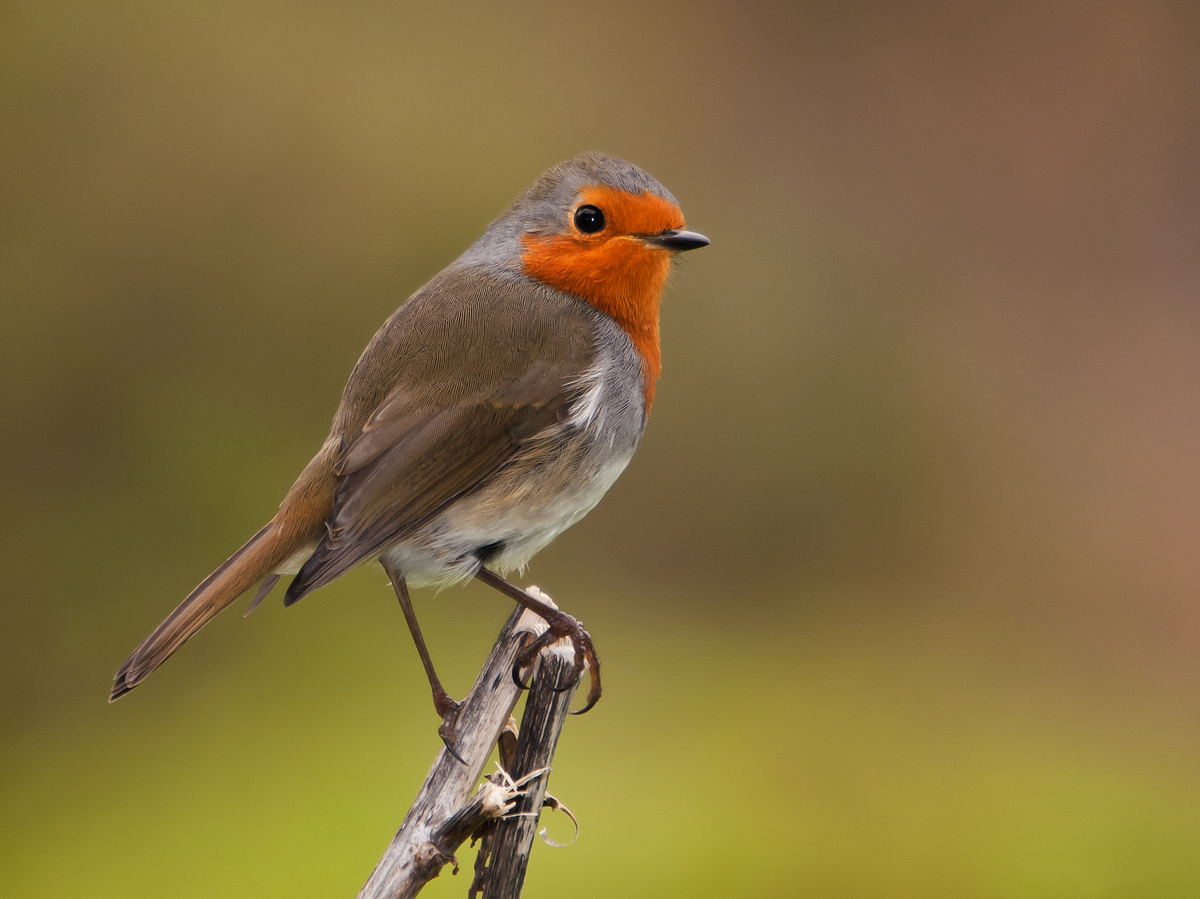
491	412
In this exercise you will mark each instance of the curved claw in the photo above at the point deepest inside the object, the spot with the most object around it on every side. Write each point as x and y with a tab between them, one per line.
587	708
516	676
594	690
448	742
449	710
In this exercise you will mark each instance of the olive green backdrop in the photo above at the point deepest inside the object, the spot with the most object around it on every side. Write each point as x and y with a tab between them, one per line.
899	596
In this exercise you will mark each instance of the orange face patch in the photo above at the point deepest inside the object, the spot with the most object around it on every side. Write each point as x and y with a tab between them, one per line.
611	269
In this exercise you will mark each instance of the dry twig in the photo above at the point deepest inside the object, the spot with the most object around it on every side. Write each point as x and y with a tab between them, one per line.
503	809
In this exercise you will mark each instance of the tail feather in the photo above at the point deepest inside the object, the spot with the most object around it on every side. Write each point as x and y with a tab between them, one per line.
264	552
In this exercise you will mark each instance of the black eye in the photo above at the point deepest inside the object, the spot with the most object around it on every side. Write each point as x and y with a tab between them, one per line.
589	219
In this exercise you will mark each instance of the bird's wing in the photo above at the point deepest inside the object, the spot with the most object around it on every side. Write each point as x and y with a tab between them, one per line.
428	444
413	465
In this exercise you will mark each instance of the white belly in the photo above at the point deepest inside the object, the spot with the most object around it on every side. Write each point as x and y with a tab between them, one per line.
522	517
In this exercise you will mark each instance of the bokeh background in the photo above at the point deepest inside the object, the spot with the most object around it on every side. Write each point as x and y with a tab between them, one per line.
898	598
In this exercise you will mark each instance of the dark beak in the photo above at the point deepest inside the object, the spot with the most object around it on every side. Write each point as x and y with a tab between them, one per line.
677	241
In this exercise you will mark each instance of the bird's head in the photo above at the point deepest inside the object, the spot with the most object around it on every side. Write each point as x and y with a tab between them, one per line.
603	230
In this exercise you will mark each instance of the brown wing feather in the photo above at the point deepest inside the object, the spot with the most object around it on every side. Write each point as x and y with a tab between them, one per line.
404	412
409	481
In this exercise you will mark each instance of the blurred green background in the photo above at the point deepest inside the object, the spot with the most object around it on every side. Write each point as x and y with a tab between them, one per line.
898	598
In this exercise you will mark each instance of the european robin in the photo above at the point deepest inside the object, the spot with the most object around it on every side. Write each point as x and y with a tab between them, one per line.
491	412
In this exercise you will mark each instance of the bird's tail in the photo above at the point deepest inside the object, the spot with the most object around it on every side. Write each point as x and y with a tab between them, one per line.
258	559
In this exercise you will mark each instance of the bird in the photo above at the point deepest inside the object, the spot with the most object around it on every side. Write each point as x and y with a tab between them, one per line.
489	413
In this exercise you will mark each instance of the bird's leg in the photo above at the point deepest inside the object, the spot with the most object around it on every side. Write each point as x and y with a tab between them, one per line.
446	707
560	625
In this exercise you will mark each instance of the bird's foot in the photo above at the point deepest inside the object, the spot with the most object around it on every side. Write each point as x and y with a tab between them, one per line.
448	709
562	625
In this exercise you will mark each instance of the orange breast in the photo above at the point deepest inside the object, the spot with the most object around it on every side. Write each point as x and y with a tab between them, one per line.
613	270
